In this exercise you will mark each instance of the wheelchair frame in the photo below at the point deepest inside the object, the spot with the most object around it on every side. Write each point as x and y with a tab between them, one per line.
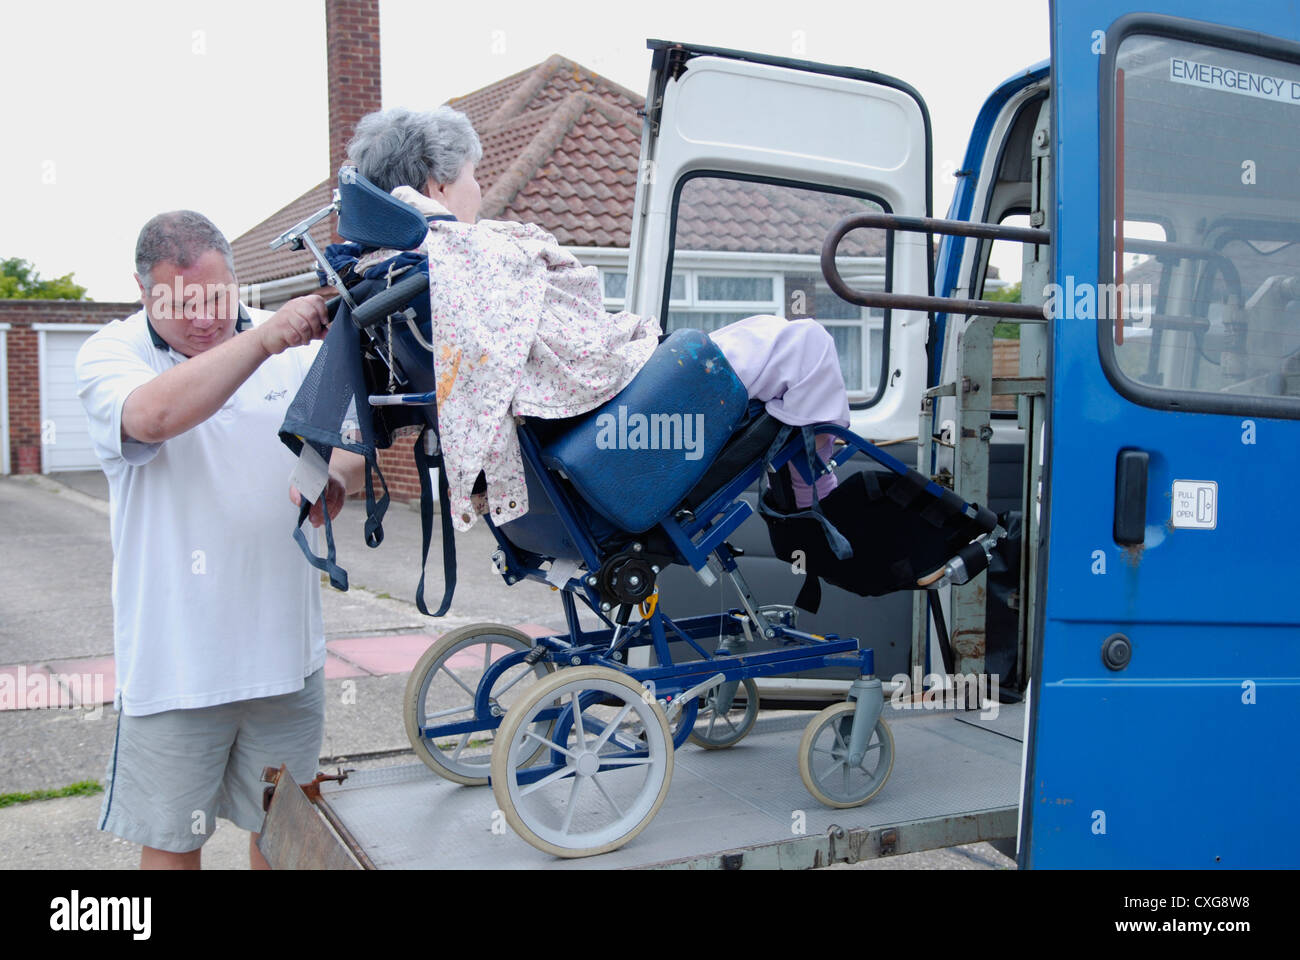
599	661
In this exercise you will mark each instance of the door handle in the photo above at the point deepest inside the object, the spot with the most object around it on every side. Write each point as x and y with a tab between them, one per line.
1131	497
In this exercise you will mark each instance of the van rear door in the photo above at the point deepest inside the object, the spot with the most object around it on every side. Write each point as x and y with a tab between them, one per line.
747	163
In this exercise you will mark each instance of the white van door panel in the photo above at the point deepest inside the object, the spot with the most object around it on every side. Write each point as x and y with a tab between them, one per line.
803	125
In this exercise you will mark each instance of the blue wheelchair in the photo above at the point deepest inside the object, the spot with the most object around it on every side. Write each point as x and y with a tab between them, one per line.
576	731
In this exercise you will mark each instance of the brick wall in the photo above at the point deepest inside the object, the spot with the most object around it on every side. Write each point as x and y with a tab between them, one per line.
352	51
24	365
398	465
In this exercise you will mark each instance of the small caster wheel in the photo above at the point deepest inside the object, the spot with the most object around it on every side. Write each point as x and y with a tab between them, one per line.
824	758
715	730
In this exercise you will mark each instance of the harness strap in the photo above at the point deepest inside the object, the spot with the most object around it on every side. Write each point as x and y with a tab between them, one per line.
810	594
375	509
834	539
338	576
424	462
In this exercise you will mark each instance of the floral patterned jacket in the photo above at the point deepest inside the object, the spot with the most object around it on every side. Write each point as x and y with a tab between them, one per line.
519	329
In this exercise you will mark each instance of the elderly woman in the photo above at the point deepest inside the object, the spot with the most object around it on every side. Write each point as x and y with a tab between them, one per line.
520	327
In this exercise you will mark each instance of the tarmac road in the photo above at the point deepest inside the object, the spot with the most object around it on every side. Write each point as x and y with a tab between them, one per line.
55	611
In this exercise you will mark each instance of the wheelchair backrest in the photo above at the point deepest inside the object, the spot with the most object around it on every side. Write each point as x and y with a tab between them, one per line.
373	218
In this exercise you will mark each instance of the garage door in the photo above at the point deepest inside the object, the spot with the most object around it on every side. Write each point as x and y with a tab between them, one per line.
65	440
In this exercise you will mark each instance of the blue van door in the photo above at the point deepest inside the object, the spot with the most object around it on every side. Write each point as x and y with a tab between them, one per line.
1168	685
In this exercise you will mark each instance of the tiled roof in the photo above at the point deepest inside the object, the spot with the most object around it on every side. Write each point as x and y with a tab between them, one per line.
577	177
561	146
717	214
503	143
481	104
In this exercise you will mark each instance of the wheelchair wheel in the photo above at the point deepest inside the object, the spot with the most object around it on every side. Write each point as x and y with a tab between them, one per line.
602	782
442	689
824	764
717	730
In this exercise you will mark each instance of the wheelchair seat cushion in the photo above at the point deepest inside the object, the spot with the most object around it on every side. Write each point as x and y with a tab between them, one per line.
637	455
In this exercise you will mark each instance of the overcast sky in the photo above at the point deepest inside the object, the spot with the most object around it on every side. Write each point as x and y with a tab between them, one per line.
116	111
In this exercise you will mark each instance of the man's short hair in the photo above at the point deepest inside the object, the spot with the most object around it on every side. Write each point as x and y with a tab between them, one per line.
179	237
400	147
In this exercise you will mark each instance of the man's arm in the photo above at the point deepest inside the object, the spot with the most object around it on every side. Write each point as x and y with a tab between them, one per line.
184	396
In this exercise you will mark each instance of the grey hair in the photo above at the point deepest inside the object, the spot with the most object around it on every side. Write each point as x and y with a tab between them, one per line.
179	237
400	147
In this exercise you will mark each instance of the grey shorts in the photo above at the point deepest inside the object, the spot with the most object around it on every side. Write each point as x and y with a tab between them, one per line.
171	774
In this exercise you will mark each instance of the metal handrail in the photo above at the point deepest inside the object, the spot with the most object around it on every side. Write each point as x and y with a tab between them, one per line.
1023	312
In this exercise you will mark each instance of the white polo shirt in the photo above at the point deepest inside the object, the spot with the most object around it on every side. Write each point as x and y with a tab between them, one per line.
212	599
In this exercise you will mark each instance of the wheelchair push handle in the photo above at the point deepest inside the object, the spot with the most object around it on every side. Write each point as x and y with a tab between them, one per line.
382	304
390	301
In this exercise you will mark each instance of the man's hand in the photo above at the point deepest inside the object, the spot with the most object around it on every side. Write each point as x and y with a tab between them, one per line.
184	396
335	493
298	322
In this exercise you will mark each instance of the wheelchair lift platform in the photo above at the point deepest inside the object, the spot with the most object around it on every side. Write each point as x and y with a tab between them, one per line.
956	780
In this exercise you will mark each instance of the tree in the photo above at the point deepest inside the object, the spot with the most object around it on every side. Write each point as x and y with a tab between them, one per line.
20	281
1008	294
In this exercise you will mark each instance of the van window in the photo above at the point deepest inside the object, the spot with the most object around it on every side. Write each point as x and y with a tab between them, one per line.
1203	237
743	247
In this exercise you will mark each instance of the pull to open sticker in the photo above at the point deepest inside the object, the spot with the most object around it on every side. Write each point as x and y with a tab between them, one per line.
1195	504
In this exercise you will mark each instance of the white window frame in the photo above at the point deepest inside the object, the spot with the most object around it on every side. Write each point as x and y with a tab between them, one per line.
617	303
859	272
775	305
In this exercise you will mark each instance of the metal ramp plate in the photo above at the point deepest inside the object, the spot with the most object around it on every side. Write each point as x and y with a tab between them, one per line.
1009	722
952	782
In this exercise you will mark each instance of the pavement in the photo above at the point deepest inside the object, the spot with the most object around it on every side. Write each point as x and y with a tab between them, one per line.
56	620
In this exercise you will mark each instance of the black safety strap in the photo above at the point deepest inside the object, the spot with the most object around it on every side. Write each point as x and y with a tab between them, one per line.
839	546
424	462
338	576
810	594
375	509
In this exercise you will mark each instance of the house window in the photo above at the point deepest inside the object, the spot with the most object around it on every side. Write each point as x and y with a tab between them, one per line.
734	289
706	300
614	285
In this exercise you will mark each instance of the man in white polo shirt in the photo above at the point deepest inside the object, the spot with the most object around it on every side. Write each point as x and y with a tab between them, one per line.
217	623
